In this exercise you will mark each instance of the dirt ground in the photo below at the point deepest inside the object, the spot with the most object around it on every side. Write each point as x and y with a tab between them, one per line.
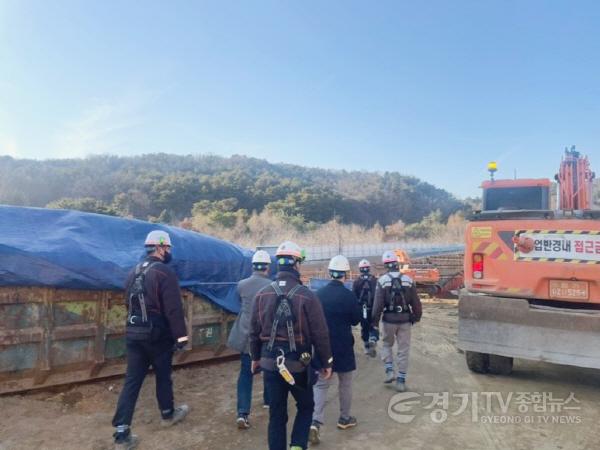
527	410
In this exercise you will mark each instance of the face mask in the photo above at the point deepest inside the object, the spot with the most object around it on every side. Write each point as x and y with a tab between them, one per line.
167	257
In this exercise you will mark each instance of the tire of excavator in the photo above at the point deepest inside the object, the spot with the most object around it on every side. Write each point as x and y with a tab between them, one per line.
477	362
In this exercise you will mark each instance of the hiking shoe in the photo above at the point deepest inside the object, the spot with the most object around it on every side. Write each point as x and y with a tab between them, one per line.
400	386
314	435
389	376
346	422
179	414
242	422
129	443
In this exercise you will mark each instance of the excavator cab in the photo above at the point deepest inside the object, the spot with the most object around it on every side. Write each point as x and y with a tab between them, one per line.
514	195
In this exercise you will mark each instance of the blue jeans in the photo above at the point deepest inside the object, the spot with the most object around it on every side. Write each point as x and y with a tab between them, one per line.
244	386
278	391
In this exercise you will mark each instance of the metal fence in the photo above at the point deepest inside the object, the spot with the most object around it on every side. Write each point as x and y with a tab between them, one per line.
415	250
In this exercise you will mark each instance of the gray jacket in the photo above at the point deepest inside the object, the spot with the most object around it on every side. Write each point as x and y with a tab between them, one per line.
247	289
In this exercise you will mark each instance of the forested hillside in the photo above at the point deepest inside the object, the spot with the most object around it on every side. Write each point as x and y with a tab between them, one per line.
171	188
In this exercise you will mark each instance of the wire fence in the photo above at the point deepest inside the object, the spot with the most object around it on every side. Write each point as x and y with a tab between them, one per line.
414	250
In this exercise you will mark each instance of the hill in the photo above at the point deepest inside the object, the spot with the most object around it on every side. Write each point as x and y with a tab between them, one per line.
171	188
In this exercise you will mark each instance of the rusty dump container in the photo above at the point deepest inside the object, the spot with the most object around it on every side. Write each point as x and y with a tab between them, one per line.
50	336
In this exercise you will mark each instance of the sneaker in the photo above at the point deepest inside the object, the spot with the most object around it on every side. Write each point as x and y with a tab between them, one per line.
178	415
346	422
243	423
314	435
389	376
129	443
400	386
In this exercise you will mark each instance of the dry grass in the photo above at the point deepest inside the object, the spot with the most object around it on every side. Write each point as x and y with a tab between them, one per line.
271	228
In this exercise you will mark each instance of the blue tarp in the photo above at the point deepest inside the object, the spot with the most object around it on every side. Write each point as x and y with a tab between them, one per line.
75	250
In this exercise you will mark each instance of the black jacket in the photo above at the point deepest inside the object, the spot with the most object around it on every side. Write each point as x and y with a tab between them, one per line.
162	296
342	310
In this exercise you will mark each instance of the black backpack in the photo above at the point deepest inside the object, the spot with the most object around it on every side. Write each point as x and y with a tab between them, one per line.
139	327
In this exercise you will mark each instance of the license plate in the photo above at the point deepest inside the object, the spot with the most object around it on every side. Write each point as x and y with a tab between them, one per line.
569	290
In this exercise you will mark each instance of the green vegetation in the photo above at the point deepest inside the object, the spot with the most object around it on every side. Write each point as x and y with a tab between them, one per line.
215	194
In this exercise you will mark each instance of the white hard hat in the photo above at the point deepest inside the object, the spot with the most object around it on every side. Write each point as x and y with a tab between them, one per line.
289	248
158	237
389	257
261	257
339	263
364	263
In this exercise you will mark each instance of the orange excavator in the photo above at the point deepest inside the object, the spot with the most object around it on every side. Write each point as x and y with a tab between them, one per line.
532	272
425	275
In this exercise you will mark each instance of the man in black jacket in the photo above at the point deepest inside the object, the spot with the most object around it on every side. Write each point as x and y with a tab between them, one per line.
342	311
155	328
364	289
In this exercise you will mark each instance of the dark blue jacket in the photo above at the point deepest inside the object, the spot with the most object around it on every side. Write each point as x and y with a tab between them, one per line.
342	310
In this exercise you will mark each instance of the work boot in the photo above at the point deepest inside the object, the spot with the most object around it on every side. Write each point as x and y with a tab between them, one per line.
242	422
372	349
389	376
346	422
314	435
178	415
128	443
400	386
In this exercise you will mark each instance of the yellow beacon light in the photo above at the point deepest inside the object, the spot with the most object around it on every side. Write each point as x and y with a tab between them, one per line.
492	167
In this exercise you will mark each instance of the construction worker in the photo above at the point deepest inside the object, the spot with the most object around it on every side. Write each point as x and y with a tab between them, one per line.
239	335
396	297
342	311
287	327
155	329
364	289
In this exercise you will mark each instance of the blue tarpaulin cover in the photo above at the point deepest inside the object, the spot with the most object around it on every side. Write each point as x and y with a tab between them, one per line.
76	250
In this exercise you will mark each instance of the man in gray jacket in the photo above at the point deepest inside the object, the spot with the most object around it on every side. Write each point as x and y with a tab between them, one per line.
239	336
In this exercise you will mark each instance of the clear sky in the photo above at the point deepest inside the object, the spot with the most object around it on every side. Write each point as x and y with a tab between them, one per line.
434	89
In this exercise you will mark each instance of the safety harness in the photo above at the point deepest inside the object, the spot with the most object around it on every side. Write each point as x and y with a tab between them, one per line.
283	313
397	302
366	293
139	328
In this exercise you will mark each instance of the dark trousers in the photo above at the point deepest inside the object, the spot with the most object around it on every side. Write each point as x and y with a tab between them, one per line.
366	328
140	356
244	386
278	391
